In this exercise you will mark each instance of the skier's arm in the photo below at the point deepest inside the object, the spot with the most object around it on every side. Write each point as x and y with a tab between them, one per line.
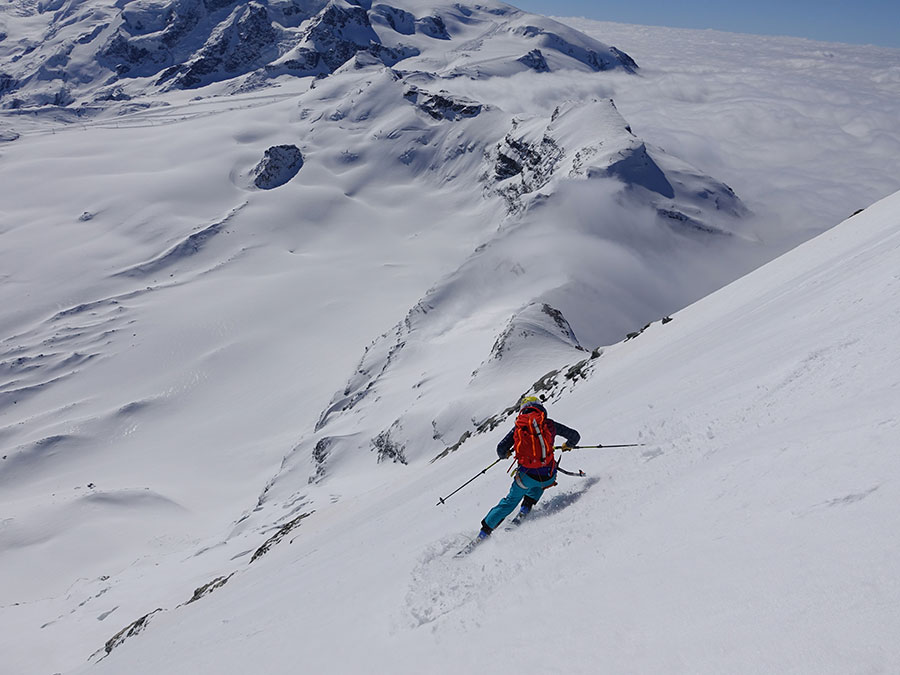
572	437
504	447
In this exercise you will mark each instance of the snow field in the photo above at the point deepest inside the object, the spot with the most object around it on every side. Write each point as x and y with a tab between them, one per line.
171	339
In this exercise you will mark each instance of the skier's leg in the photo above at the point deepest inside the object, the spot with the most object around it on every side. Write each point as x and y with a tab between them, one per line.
534	490
528	501
504	507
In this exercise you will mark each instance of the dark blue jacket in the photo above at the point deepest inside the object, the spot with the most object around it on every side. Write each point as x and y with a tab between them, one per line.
544	473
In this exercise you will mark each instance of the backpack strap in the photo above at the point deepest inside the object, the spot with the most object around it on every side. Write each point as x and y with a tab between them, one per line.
540	436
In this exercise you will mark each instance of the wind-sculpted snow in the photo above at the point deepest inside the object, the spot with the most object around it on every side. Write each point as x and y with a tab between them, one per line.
58	348
189	246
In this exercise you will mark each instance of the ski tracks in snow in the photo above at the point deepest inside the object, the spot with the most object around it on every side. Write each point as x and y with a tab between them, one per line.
441	584
444	584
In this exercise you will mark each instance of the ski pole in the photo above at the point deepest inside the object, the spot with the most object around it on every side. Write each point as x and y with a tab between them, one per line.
582	447
441	500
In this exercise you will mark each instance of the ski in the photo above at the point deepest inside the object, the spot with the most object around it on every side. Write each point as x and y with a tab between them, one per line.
471	546
516	522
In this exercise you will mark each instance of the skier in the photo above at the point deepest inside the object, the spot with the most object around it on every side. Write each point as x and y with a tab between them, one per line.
532	440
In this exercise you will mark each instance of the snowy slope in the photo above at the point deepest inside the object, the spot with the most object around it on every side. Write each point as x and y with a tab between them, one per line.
195	284
172	330
754	532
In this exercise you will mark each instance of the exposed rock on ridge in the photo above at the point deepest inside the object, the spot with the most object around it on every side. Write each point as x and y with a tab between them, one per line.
443	106
240	42
134	48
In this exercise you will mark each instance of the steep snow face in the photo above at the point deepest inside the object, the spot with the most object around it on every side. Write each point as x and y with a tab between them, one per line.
754	525
90	52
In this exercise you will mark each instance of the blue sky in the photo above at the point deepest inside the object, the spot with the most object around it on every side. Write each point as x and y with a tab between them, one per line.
863	21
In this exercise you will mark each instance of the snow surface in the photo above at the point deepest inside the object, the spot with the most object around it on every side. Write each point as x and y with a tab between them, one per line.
755	532
193	378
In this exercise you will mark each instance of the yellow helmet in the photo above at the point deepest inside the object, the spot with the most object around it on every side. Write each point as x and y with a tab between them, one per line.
527	400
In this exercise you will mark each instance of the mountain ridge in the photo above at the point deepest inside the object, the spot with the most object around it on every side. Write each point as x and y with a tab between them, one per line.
111	53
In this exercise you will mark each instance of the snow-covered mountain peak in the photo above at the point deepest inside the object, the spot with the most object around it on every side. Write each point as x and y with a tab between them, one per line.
84	54
535	323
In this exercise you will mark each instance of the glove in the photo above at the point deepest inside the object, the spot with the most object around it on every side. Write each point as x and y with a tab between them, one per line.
566	447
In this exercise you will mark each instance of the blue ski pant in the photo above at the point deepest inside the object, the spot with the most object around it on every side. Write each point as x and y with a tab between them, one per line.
522	486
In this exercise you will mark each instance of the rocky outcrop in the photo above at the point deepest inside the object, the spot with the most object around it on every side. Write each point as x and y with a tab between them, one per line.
208	588
443	106
524	165
154	35
624	59
376	359
282	532
277	167
388	449
433	26
337	33
7	83
334	37
535	60
398	20
191	43
244	41
320	458
132	629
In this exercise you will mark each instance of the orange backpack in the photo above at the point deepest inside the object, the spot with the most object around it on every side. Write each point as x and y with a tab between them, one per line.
533	439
